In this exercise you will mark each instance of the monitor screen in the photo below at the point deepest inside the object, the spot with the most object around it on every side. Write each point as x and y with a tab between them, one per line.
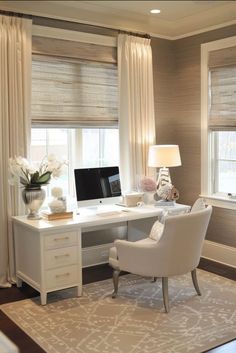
97	183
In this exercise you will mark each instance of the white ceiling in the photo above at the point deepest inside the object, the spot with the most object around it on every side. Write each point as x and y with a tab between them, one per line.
177	18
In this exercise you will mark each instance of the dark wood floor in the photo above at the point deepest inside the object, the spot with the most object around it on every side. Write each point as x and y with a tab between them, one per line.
92	274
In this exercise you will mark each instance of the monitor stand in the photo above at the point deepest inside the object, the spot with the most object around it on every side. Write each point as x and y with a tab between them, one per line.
99	202
106	206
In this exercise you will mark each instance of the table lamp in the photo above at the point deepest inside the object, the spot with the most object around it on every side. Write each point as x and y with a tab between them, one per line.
163	157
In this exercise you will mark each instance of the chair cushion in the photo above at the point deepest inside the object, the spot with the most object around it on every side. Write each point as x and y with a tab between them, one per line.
113	258
156	231
198	205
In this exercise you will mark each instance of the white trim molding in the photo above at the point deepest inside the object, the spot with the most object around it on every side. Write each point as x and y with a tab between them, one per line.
218	201
220	253
74	36
204	121
202	30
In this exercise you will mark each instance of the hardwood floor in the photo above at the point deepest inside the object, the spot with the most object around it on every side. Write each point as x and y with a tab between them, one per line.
217	268
92	274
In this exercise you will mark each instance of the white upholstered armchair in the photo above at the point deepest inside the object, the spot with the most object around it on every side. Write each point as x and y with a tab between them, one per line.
177	252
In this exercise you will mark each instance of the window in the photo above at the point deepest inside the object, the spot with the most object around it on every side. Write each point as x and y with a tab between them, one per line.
74	103
82	148
224	167
52	141
219	121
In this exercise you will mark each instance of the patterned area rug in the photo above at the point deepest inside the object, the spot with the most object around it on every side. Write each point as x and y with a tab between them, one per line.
134	322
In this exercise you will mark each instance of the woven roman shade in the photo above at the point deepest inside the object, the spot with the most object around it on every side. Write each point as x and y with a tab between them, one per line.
73	93
222	81
73	49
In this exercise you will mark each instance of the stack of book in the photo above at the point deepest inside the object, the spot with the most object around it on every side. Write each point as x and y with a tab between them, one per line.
57	215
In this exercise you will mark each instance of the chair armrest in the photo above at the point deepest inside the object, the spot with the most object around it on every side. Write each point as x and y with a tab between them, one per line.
136	257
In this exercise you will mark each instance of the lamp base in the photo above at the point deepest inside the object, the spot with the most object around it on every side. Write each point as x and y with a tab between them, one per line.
163	177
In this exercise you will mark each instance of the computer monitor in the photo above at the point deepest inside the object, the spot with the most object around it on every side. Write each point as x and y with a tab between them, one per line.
96	186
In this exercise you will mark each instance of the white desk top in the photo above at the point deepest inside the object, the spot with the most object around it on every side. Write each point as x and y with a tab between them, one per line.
87	218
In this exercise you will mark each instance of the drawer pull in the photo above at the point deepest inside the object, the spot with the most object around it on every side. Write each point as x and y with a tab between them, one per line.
65	238
63	255
63	275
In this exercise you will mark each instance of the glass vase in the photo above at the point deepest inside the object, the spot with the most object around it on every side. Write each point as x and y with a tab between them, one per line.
33	198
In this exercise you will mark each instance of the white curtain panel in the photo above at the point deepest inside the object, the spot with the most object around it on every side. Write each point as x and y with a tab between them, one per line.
136	108
15	83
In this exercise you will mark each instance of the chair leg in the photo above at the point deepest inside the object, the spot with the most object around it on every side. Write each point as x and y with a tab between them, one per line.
195	282
165	293
115	282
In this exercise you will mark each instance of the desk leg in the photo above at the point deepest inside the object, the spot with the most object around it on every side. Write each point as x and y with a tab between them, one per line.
80	277
43	298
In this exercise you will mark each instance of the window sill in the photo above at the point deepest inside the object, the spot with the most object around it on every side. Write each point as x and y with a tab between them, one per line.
220	201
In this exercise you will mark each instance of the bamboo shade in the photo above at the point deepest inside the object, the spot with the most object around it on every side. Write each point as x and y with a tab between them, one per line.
222	57
222	114
72	49
73	93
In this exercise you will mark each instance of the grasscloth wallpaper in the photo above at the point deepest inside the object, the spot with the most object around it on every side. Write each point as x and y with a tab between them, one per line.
177	89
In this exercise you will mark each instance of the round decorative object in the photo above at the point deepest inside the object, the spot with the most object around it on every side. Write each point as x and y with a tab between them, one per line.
33	198
174	194
164	192
168	192
57	205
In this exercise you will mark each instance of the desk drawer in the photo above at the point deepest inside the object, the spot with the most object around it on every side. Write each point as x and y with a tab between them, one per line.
61	277
59	240
60	257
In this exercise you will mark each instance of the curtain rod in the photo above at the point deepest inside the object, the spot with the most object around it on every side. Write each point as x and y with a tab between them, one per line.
14	14
142	35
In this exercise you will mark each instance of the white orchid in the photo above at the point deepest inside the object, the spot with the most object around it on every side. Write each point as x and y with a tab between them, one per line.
26	174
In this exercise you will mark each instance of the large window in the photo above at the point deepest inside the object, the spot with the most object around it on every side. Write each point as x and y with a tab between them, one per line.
219	120
74	104
82	148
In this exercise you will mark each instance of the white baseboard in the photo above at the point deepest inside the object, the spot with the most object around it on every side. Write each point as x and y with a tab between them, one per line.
219	253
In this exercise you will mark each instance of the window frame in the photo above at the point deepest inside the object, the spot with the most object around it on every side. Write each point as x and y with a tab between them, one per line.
208	178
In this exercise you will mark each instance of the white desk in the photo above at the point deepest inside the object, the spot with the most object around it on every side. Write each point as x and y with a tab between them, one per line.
49	254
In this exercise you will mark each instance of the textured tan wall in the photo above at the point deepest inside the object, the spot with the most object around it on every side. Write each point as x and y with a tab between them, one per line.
179	107
163	71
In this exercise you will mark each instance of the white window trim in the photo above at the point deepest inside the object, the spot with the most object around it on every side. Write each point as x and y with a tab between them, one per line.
206	177
75	36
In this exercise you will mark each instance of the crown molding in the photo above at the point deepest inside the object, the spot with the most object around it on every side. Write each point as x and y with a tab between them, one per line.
203	30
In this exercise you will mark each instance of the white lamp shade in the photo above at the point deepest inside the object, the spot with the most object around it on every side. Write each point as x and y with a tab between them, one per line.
164	156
